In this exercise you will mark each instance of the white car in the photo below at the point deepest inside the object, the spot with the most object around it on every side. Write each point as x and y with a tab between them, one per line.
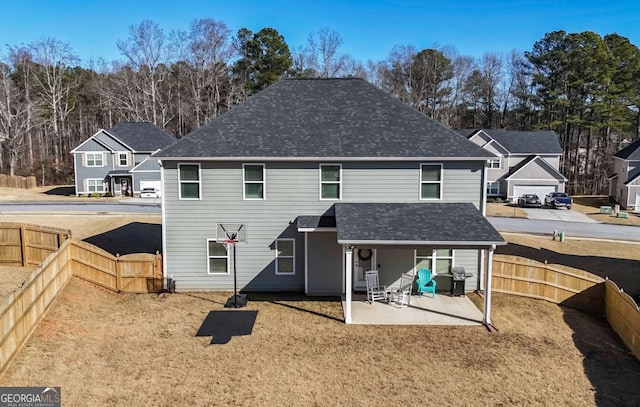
149	193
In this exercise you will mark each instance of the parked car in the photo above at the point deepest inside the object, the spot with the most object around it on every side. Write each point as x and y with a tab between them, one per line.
558	200
529	200
149	193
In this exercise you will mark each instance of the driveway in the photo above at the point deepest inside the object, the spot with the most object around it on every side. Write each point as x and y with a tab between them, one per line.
563	215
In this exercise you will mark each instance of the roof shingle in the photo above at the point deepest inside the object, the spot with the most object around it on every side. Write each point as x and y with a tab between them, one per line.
323	118
630	152
141	136
522	142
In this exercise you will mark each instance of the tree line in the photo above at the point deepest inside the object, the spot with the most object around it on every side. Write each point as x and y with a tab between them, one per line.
581	85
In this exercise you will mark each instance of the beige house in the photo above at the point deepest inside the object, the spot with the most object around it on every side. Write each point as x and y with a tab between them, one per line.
527	162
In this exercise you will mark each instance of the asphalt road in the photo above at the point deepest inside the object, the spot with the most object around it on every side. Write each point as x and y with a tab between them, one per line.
593	230
76	207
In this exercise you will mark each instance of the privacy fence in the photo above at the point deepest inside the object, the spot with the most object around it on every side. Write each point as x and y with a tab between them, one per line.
22	244
22	310
16	181
571	287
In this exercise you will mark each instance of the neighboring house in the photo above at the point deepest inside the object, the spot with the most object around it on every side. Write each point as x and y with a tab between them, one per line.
624	184
330	178
117	160
528	162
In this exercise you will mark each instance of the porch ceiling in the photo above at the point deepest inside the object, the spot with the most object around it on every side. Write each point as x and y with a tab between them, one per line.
119	173
451	224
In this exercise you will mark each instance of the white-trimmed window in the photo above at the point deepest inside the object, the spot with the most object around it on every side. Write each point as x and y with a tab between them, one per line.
439	261
331	181
94	160
123	159
430	181
189	180
217	258
285	256
495	163
95	185
253	178
493	188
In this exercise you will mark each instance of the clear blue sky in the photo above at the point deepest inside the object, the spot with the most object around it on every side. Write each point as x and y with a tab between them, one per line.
369	28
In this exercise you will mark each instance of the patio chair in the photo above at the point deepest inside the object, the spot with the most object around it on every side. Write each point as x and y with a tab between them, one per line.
402	296
375	291
426	284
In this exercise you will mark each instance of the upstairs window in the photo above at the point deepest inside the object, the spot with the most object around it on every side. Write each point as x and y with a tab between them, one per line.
430	181
94	160
495	163
254	180
330	181
123	159
189	180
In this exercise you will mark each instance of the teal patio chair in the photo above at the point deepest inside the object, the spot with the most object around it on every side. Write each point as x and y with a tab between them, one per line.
425	283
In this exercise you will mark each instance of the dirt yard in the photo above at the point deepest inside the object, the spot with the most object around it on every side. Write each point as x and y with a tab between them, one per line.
505	210
11	278
590	206
115	349
47	193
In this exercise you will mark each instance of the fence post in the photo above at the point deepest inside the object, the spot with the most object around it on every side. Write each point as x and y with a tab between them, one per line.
158	274
118	274
23	245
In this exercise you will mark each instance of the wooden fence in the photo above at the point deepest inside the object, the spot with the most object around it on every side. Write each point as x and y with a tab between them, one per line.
23	244
552	282
16	181
21	312
623	316
571	287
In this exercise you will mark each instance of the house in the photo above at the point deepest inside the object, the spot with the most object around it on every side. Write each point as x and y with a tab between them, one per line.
624	183
117	160
528	162
323	179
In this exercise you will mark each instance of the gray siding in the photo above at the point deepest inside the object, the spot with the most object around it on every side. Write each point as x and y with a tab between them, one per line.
324	272
392	262
111	142
144	176
82	173
291	190
534	171
92	145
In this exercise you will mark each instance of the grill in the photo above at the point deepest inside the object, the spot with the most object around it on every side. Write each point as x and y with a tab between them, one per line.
459	278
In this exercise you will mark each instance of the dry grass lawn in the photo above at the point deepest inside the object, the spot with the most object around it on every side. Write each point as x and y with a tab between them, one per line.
590	206
11	278
113	349
505	210
46	193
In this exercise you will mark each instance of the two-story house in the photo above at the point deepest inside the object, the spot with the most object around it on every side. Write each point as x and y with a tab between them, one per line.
528	162
117	160
624	183
328	178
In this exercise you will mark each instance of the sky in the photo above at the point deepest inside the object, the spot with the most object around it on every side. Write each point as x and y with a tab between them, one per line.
370	29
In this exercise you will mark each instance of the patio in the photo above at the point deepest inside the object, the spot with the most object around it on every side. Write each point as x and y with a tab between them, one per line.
441	310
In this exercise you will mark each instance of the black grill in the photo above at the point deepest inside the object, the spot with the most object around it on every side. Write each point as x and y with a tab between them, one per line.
459	278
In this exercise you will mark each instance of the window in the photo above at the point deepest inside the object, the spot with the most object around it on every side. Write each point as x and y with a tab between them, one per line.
439	261
95	185
493	188
189	179
217	258
495	163
430	181
330	181
253	177
123	159
285	256
94	160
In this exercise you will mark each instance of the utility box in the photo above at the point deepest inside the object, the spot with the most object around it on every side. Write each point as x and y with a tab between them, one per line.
606	210
624	215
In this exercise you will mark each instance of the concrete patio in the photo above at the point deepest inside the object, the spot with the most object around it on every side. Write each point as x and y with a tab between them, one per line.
441	310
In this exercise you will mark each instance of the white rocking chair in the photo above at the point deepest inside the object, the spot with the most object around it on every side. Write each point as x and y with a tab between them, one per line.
375	291
402	296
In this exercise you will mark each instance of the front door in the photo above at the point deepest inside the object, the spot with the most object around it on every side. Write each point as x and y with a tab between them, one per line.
363	260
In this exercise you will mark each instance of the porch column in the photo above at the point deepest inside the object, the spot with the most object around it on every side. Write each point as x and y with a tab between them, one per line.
348	277
487	287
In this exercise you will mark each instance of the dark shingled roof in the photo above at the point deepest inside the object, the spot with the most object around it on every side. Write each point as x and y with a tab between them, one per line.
630	152
308	118
522	142
632	176
142	136
306	222
419	223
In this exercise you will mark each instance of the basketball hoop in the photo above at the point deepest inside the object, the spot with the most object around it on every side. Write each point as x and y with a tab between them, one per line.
228	244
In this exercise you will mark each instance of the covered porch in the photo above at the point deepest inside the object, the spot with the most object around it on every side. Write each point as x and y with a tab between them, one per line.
397	239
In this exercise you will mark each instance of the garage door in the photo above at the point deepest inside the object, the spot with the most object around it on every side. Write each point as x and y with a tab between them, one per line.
540	190
151	184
